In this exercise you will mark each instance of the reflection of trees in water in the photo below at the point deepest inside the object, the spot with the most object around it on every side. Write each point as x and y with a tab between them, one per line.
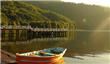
32	45
23	35
93	40
83	44
100	39
35	44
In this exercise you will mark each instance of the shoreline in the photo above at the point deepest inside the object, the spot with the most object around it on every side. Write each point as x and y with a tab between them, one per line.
9	58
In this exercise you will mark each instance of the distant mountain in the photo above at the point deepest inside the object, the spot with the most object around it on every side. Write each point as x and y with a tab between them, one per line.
85	16
22	13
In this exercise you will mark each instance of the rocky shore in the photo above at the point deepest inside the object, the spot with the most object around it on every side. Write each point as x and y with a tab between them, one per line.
7	58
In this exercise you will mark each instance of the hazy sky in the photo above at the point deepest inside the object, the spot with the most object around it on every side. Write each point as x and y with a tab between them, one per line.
96	2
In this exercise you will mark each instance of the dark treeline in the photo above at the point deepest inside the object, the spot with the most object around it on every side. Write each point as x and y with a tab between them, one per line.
85	16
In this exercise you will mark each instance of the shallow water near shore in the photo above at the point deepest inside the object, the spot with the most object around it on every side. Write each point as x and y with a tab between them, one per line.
91	59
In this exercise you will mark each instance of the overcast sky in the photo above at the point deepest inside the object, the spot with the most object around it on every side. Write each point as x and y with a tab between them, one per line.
96	2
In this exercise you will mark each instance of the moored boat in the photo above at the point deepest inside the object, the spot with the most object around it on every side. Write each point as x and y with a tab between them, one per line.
45	56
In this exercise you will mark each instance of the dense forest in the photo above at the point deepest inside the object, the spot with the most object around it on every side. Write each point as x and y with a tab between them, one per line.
85	16
22	13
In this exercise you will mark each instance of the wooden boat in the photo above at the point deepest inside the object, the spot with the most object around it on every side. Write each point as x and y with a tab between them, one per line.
45	56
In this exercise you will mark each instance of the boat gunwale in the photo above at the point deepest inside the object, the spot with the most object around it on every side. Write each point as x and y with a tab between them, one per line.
57	55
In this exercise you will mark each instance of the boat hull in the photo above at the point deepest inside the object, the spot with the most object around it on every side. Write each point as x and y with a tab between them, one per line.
39	60
57	59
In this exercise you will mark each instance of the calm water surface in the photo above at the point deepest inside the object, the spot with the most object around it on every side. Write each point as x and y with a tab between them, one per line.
91	59
84	48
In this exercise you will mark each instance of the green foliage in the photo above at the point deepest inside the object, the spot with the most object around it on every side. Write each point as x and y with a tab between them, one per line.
22	13
85	16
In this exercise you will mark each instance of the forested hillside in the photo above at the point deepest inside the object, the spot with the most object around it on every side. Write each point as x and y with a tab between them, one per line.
85	16
22	13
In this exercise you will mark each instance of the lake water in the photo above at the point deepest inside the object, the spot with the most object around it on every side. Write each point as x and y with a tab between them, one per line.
91	59
85	47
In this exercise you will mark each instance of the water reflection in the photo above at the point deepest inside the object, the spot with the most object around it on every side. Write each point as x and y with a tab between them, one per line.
34	44
80	45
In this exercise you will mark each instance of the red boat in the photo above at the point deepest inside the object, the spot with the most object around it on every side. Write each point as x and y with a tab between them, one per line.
45	56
